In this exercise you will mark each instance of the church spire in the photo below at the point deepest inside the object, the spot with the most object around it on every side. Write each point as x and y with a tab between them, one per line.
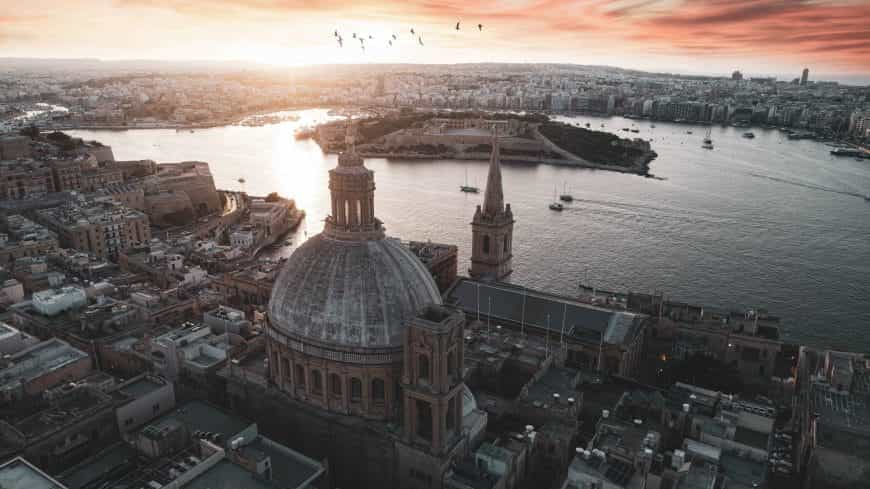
493	196
492	227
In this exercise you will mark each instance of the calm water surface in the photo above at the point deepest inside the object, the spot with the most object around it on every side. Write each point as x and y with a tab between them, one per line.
763	222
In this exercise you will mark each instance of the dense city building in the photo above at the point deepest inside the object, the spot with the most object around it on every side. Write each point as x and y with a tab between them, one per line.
102	227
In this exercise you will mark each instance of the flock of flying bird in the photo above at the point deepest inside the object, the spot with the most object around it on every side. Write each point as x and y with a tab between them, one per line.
362	39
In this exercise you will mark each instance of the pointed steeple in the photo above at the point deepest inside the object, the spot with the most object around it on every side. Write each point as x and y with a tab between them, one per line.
493	197
492	228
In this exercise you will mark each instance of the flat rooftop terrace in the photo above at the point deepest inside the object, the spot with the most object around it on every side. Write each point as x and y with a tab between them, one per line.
20	474
289	468
141	387
227	475
532	308
38	360
841	410
201	416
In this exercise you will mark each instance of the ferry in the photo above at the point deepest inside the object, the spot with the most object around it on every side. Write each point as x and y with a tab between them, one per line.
748	135
850	152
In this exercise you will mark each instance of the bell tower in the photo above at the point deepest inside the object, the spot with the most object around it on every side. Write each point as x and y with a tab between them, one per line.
352	191
432	390
492	227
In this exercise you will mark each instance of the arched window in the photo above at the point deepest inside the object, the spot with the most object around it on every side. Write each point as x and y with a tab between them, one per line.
334	384
316	382
300	375
486	244
285	370
423	367
355	389
378	389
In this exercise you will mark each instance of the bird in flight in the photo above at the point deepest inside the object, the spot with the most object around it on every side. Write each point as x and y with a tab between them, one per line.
336	33
354	35
390	42
370	36
457	26
421	40
394	37
412	31
340	42
480	27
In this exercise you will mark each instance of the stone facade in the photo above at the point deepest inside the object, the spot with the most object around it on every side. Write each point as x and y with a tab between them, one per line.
361	357
191	177
492	228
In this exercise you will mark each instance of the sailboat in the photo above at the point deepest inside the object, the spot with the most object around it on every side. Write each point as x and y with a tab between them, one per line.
469	189
565	196
556	205
708	142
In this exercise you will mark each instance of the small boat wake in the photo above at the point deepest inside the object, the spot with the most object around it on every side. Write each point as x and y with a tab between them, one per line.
810	186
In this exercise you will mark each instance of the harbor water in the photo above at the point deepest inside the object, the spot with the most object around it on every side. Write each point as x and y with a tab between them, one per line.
765	222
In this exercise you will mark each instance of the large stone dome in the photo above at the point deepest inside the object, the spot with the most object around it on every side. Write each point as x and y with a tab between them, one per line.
350	293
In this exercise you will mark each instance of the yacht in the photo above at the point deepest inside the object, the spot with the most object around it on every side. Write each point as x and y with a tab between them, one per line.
565	196
469	189
556	205
708	142
749	135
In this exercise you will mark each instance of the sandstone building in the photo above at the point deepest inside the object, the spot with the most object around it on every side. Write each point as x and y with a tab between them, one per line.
492	227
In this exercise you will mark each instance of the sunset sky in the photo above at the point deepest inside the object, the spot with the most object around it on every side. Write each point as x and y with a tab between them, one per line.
760	37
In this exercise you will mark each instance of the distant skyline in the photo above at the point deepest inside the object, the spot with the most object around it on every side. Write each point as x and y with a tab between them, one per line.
758	37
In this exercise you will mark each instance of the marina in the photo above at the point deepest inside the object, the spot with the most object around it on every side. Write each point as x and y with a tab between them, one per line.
719	228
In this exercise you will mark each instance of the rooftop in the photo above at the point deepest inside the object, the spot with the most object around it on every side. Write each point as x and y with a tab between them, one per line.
289	468
88	212
142	386
562	315
20	474
67	410
26	231
200	416
562	381
38	360
227	475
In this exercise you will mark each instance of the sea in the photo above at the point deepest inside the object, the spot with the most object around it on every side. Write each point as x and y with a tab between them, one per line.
762	223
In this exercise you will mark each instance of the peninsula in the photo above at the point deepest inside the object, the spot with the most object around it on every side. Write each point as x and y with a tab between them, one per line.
524	138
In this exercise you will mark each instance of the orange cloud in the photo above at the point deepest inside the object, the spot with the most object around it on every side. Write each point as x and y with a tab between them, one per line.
833	34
